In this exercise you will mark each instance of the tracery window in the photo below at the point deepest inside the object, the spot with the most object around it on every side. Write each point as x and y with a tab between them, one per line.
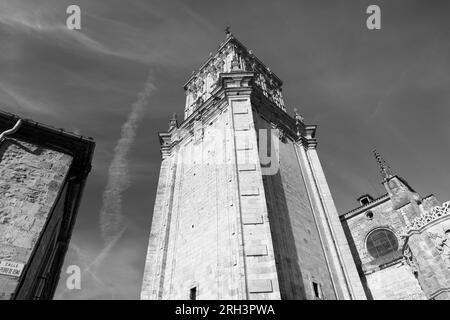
381	242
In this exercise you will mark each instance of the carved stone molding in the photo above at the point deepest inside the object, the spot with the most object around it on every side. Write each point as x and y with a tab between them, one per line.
232	57
410	260
282	135
429	216
442	244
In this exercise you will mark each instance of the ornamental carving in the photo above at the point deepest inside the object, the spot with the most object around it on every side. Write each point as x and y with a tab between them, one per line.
429	216
232	57
282	134
442	244
410	261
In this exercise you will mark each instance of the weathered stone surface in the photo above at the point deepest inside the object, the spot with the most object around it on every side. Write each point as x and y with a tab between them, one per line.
395	282
30	180
428	242
260	286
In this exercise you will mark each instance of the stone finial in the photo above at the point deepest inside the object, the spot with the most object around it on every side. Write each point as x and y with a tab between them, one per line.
298	117
227	31
235	64
173	123
385	170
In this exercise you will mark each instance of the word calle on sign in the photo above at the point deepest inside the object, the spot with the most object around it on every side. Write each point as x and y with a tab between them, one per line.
9	268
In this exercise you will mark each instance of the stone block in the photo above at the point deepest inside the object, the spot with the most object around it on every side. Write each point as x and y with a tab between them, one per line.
247	167
259	286
252	218
249	191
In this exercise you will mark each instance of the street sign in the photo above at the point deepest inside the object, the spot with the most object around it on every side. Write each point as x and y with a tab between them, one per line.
10	268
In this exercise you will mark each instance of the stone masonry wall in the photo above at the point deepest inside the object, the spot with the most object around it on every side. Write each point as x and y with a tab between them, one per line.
156	252
210	228
297	245
347	281
202	245
359	226
395	282
30	180
260	265
430	251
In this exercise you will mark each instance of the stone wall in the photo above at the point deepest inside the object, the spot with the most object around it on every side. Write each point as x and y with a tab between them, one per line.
200	247
210	227
360	225
298	248
428	251
395	282
31	178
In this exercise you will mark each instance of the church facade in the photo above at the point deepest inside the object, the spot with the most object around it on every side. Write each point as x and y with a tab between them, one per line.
243	209
400	242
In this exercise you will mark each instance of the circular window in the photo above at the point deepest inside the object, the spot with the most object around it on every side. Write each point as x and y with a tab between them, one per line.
381	242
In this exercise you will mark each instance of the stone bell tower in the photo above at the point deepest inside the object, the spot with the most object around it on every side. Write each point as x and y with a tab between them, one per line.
243	209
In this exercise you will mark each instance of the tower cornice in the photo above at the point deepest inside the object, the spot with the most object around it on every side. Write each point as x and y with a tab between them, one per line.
231	57
241	83
233	40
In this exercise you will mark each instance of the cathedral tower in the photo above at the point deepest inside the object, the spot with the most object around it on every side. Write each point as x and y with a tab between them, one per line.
243	209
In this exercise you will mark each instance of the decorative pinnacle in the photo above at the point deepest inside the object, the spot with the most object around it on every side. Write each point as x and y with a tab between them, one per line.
173	123
298	117
227	31
385	170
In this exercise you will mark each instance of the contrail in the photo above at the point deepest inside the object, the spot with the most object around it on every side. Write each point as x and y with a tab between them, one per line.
112	222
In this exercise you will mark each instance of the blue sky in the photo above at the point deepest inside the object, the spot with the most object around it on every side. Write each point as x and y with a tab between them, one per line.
387	89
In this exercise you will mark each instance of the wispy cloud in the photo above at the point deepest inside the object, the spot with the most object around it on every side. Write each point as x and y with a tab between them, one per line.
112	221
20	102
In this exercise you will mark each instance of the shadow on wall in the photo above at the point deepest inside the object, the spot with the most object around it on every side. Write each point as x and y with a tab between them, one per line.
357	260
4	145
290	278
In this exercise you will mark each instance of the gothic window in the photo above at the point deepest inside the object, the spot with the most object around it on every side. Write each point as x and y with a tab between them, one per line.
381	242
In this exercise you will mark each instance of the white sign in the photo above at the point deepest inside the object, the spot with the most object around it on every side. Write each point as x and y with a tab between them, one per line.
10	268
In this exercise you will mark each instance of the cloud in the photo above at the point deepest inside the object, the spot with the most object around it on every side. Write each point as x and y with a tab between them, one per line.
21	103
